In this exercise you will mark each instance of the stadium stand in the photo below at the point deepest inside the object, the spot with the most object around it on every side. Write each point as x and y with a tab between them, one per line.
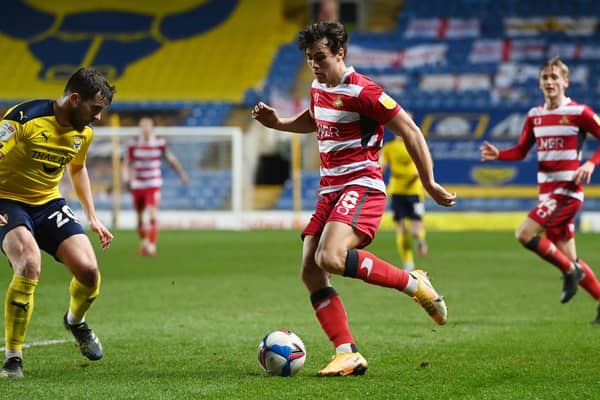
468	71
177	52
164	57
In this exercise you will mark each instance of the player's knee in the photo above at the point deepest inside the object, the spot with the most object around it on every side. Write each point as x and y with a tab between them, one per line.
28	264
331	261
89	278
523	236
87	273
520	237
401	227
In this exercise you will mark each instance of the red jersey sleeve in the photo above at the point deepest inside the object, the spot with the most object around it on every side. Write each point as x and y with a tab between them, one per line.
377	105
590	122
520	150
130	150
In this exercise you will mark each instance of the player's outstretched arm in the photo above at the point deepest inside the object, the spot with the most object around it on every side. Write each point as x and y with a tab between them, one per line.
176	165
267	115
489	152
81	184
125	171
403	125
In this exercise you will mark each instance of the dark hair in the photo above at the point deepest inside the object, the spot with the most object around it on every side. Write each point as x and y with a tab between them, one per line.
334	32
88	82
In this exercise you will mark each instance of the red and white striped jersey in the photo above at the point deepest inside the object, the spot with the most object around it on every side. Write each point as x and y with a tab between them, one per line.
349	119
145	159
558	135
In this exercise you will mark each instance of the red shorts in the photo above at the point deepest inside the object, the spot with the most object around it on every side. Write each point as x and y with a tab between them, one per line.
143	198
557	215
358	206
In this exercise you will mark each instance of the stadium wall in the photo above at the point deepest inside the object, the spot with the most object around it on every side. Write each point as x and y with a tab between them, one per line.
247	220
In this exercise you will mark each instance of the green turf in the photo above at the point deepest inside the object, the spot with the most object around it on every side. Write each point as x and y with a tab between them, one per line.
186	324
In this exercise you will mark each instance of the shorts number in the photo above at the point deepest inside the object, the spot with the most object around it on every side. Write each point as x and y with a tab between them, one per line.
347	203
63	216
546	208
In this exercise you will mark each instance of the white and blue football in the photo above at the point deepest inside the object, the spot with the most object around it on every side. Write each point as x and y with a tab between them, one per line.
281	353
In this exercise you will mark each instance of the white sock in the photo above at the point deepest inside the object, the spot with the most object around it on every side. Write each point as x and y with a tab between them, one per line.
14	353
344	348
72	319
412	286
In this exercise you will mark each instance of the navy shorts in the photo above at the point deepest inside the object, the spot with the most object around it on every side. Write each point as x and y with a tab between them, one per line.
49	223
407	206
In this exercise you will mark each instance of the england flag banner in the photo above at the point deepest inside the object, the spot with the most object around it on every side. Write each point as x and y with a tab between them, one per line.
442	28
411	57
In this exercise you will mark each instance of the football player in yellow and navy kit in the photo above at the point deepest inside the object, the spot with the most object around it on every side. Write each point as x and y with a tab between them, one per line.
38	140
407	193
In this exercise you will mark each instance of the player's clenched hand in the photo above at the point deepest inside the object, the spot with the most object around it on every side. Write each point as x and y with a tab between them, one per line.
489	151
583	174
265	114
3	220
441	195
103	233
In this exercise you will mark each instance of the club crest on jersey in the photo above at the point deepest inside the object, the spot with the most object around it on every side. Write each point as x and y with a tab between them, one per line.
537	121
338	102
387	101
6	131
77	140
564	120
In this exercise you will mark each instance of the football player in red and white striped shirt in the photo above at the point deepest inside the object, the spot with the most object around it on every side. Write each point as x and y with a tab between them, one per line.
348	112
557	128
142	175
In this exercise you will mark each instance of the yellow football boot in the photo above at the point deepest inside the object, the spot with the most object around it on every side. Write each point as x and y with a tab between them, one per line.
429	298
343	364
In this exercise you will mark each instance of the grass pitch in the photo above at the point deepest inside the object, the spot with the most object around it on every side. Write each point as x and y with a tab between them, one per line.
186	324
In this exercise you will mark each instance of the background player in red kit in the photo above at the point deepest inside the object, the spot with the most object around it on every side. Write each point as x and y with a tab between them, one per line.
557	128
348	112
144	159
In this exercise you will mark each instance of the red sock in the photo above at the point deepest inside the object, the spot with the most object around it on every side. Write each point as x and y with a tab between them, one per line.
332	316
141	230
544	248
590	282
153	231
363	265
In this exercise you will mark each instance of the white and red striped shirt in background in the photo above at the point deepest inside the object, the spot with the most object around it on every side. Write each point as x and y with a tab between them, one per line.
558	135
349	119
146	159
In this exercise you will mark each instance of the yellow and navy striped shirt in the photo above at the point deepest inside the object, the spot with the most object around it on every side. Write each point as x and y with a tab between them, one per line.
36	149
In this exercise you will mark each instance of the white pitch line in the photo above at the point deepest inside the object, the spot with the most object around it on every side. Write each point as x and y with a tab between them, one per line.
43	343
